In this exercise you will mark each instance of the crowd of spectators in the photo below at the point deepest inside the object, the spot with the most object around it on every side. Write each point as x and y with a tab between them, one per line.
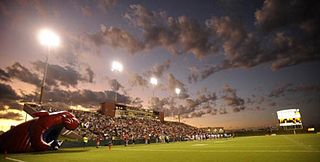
95	125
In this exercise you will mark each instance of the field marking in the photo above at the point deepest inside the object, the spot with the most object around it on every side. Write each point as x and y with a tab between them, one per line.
12	159
247	146
199	144
219	141
219	151
298	143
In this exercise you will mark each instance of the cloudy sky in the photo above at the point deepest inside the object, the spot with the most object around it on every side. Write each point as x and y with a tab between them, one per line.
236	61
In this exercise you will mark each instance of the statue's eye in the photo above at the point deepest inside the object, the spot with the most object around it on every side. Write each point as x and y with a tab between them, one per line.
64	115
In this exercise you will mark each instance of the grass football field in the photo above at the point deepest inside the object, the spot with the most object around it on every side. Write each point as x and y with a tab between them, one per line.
280	148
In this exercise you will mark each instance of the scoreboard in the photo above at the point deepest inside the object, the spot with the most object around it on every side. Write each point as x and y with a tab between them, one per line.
289	117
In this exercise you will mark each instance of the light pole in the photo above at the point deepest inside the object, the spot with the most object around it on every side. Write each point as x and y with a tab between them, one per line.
50	40
117	67
178	90
154	82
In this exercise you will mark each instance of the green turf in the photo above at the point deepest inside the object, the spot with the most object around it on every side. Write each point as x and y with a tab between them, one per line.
282	148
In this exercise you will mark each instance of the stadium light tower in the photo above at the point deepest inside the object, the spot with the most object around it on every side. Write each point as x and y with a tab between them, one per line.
50	40
154	82
178	90
116	67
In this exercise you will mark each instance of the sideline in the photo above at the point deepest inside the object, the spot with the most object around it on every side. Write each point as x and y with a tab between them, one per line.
221	151
12	159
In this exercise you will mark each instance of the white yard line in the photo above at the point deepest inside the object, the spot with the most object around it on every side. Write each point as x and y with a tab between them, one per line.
200	144
12	159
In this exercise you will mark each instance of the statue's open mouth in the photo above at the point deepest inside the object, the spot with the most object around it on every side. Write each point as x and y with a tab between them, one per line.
51	135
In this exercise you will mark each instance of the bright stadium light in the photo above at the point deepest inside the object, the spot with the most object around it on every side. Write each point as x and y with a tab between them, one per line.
48	38
116	66
178	90
154	81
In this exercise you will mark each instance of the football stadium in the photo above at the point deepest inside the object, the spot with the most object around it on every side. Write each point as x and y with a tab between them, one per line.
159	80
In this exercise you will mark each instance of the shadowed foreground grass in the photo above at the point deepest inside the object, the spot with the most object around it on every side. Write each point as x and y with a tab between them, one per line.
291	148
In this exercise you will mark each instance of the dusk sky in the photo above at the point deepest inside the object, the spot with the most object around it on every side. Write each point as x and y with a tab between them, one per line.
236	61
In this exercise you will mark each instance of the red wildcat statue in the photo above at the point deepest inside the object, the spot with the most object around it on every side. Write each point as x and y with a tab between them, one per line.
38	134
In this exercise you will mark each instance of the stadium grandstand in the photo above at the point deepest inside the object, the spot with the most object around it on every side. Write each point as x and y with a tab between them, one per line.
136	124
